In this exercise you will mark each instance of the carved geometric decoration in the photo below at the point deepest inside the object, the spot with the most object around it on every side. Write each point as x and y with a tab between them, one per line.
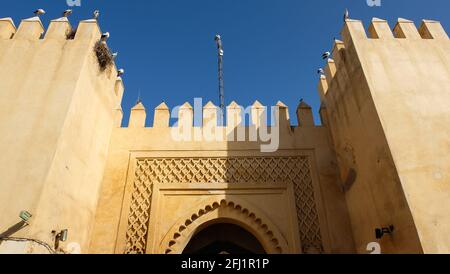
233	170
139	216
308	219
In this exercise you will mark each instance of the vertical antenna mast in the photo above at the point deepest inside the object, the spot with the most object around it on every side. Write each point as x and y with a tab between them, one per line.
221	85
139	97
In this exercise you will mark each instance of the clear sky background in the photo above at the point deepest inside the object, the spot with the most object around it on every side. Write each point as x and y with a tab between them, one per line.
272	48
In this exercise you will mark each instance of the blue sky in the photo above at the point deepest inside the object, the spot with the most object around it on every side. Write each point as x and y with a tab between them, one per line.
272	48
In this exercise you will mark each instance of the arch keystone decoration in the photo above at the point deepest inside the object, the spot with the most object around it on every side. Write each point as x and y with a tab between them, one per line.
224	211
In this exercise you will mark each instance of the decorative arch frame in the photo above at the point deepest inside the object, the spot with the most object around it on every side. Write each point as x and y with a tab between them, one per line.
232	211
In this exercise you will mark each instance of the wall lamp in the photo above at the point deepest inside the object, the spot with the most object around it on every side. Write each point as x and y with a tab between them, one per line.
25	216
380	232
60	237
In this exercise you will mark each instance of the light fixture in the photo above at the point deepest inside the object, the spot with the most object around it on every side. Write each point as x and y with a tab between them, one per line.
63	235
380	232
60	237
25	216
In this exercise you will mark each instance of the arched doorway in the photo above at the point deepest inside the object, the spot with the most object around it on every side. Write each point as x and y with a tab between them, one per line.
224	238
223	211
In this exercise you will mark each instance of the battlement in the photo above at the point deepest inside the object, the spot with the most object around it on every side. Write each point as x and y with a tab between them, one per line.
385	95
60	28
59	40
403	29
236	115
65	78
379	33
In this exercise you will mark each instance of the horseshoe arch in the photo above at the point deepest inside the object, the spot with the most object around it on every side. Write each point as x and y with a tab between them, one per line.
231	211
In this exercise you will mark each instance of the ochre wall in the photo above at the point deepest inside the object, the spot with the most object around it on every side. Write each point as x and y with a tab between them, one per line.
170	202
380	158
386	95
56	117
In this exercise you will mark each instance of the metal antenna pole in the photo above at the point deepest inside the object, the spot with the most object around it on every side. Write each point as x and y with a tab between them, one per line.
221	85
139	97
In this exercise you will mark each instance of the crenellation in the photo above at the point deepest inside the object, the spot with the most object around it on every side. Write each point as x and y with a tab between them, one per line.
353	30
119	89
58	29
338	52
257	111
137	116
30	29
283	117
323	113
7	28
234	115
88	30
162	116
322	87
330	71
210	115
305	116
186	116
431	29
379	29
405	29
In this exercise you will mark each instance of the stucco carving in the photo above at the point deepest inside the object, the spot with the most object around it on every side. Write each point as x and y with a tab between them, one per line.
295	170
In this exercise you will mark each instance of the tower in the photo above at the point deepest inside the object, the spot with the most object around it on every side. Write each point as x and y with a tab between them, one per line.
56	115
385	98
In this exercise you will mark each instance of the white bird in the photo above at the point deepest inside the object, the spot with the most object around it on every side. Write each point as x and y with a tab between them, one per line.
320	71
326	55
105	37
114	55
39	12
120	72
96	14
346	15
66	13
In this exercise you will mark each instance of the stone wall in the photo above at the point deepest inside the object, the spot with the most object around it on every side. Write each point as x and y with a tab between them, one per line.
56	117
385	94
158	190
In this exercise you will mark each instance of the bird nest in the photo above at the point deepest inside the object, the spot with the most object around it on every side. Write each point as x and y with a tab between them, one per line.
71	34
104	56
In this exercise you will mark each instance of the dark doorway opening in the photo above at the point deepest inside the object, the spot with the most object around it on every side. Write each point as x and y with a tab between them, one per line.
224	239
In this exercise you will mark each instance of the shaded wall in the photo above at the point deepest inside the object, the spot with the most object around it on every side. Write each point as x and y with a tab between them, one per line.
385	96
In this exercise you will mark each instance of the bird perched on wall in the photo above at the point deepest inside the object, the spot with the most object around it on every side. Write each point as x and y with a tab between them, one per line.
66	13
105	37
320	71
326	55
346	15
39	12
96	14
120	72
